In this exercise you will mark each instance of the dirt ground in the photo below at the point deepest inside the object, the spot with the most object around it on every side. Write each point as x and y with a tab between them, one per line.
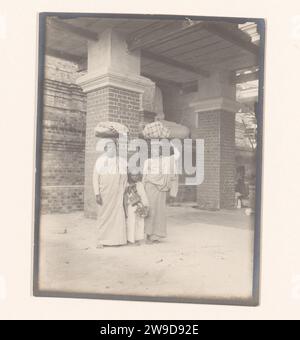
206	255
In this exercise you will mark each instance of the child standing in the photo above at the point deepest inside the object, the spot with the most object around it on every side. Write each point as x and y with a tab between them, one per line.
137	206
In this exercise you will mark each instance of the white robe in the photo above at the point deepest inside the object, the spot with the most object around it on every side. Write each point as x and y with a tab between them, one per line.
110	183
160	177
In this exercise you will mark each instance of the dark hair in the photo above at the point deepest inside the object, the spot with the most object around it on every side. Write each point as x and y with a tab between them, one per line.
130	174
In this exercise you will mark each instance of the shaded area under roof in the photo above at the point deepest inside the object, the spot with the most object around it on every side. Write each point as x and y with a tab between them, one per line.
174	50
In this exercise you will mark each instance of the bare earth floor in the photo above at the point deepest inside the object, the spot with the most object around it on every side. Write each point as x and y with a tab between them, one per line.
206	255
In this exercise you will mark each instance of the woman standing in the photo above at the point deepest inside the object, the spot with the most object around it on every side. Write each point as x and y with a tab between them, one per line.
109	181
159	178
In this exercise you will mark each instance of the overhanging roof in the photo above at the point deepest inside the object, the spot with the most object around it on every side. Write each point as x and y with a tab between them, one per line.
174	50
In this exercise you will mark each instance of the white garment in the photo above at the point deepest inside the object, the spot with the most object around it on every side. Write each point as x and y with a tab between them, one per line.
111	186
135	223
162	172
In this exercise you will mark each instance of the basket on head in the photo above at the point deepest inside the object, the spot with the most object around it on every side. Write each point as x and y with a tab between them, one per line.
164	129
156	130
110	130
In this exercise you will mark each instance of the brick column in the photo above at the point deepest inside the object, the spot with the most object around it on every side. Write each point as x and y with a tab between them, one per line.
114	93
215	123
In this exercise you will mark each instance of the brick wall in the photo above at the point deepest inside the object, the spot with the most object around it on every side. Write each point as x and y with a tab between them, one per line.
228	163
111	104
208	193
62	199
63	139
217	130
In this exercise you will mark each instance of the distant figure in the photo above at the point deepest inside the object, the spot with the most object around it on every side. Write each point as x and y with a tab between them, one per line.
109	186
137	207
241	191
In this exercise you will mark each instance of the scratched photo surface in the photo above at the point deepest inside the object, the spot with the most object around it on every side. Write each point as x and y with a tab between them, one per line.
149	148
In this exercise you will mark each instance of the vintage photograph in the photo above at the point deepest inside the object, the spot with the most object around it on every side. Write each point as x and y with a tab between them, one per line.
149	153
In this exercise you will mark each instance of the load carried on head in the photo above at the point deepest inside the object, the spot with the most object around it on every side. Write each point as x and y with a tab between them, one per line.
110	130
156	130
165	129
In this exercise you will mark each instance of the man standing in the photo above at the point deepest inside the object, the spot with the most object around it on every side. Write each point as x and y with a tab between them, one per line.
109	182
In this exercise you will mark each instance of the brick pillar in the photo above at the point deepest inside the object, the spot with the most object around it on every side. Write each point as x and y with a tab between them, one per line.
227	160
106	104
215	123
114	93
217	130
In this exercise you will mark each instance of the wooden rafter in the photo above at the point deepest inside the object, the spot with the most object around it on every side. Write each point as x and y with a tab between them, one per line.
227	32
148	29
172	31
64	55
172	62
233	35
159	80
78	31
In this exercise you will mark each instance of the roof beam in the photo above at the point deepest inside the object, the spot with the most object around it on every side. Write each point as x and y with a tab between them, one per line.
75	30
244	78
172	31
150	29
172	62
156	79
63	55
234	35
80	61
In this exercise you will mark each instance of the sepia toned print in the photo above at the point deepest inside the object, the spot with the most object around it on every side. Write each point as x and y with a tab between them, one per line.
149	158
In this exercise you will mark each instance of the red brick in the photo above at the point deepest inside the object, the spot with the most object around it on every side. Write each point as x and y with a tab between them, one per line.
217	128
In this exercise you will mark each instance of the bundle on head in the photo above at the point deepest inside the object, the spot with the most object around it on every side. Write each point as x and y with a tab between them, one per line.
110	130
156	130
163	129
